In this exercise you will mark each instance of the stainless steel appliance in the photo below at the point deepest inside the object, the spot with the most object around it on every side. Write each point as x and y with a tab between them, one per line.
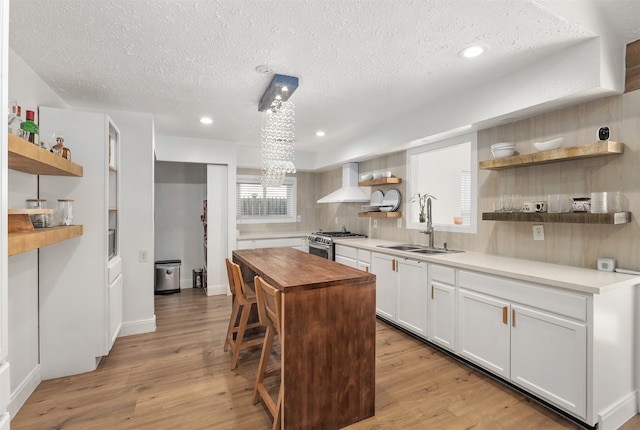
321	242
167	277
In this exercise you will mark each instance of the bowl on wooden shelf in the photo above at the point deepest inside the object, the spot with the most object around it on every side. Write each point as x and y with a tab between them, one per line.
549	144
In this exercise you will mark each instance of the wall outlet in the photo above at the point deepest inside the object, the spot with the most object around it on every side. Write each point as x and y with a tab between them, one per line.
375	223
399	223
538	232
298	218
143	256
336	220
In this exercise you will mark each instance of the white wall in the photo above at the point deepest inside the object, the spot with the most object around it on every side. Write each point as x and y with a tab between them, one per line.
136	169
29	91
179	193
218	153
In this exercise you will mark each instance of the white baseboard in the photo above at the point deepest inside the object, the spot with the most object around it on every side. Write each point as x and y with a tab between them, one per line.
24	390
620	413
216	290
138	327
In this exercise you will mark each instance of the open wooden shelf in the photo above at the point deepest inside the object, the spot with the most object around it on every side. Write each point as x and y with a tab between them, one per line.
26	157
383	181
598	149
380	214
567	217
26	241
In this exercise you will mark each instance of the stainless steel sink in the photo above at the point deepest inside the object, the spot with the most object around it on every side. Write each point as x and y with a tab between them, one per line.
435	251
419	249
408	247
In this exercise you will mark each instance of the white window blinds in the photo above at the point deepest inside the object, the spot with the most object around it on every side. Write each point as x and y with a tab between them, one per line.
258	204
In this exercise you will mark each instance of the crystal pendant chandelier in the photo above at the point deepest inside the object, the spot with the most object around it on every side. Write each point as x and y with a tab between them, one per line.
277	139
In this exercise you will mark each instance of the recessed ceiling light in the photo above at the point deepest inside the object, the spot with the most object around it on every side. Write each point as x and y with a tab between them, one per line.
319	133
206	120
263	69
472	51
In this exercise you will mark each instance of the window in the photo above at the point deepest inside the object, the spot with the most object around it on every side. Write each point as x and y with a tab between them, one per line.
258	204
446	169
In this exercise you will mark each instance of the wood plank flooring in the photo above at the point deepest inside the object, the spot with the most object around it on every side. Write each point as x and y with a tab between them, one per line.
179	378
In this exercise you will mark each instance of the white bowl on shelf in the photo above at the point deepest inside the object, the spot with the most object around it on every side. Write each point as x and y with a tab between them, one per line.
549	145
503	145
503	152
386	174
377	176
366	177
387	208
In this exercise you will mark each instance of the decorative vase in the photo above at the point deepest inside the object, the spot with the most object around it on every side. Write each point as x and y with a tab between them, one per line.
422	217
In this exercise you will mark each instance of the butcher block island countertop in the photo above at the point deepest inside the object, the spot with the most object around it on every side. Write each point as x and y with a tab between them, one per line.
328	336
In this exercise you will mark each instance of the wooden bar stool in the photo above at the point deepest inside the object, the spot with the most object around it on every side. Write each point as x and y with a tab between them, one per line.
243	300
270	313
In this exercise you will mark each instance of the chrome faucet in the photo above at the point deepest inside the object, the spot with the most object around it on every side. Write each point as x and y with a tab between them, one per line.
429	229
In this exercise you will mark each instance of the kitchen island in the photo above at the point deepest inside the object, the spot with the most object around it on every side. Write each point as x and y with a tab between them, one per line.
328	336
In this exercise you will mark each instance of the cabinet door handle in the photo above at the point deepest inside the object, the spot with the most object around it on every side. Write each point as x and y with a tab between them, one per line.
431	292
393	264
505	315
513	317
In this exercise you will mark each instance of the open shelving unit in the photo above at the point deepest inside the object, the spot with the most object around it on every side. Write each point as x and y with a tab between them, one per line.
598	149
382	181
26	157
567	217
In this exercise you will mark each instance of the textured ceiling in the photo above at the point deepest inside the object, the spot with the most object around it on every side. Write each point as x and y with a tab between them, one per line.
359	62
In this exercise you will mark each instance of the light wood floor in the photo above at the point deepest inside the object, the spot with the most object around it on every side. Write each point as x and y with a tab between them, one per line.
179	378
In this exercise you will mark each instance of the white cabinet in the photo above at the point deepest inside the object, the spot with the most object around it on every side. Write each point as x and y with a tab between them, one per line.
384	267
293	242
573	350
353	257
543	352
483	331
549	357
364	260
442	306
413	294
401	291
75	299
115	310
346	255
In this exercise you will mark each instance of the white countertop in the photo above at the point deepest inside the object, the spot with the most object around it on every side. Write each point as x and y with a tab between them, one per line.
567	277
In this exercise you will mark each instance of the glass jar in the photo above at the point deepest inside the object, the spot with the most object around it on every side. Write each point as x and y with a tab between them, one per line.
65	212
41	220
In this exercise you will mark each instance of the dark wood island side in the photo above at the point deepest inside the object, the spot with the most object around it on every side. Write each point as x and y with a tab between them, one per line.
328	336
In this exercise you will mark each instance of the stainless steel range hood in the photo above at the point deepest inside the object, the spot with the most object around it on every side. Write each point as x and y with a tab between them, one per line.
349	191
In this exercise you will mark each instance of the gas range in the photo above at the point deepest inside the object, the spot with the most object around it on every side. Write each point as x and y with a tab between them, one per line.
326	237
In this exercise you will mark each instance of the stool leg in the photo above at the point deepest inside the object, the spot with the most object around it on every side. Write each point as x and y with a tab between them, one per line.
232	322
244	318
277	417
264	360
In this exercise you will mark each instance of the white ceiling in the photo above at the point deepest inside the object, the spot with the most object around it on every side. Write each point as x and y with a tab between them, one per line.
359	62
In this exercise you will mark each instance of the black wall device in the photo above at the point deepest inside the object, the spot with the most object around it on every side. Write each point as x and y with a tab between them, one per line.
603	133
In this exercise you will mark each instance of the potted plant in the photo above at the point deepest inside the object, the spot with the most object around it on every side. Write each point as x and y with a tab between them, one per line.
422	201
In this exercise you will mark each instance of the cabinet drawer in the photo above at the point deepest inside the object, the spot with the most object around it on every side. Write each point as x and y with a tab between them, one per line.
364	256
443	274
560	302
281	242
347	251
